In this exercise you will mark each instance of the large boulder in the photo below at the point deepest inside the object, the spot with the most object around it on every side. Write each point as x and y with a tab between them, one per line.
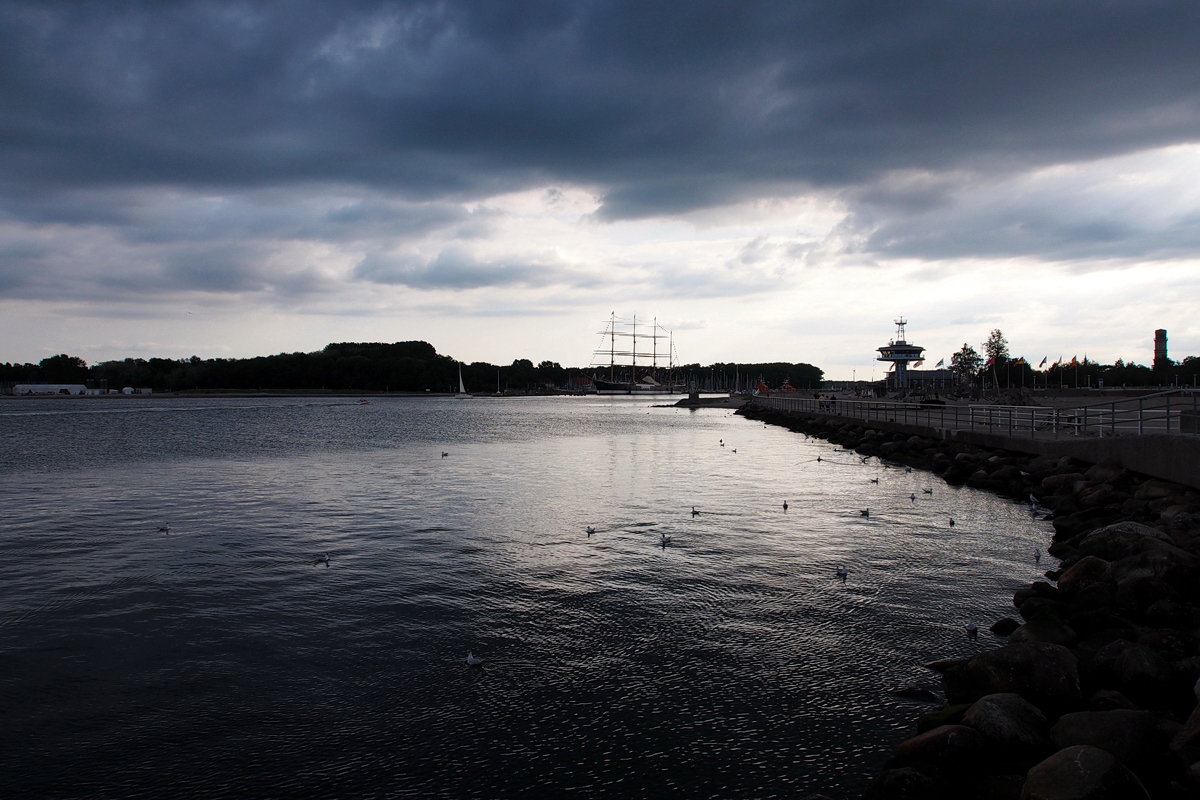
1045	674
1132	736
1043	608
1054	483
1044	630
1104	472
1133	668
1082	773
1186	744
1004	626
951	748
1088	571
904	783
944	715
1008	720
1154	490
1119	540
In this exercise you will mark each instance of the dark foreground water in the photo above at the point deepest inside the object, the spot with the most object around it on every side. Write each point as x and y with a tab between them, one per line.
219	660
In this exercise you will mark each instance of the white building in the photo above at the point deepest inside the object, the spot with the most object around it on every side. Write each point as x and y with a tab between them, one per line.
49	388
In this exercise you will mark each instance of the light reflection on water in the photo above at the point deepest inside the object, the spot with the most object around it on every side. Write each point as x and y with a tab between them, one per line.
221	661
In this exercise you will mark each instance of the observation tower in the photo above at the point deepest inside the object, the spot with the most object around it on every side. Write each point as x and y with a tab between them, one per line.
899	352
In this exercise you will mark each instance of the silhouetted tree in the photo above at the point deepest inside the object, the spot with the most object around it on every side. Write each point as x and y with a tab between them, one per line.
966	363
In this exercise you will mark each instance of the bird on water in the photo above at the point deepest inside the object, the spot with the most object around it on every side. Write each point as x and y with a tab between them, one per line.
952	522
785	505
928	491
666	540
1037	556
972	632
874	480
913	497
866	512
324	559
444	454
165	528
473	660
842	572
590	530
695	513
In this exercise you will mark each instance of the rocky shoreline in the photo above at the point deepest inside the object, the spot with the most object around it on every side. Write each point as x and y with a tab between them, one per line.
1095	693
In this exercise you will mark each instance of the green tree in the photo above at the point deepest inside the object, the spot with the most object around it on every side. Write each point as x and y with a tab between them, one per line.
966	362
64	369
996	347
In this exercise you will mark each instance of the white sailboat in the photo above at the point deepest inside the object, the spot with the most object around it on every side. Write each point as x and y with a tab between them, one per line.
462	390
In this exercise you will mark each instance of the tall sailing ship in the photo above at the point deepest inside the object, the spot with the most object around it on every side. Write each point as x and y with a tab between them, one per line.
635	359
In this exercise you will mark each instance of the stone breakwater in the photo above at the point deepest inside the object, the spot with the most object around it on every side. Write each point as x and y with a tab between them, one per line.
1095	693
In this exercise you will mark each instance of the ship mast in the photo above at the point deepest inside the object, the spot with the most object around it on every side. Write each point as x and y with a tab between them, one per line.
633	375
612	347
654	362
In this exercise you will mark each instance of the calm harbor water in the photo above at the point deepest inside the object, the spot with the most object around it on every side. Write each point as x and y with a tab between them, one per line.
221	660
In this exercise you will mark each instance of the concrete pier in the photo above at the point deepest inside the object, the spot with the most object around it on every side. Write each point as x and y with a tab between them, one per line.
1173	457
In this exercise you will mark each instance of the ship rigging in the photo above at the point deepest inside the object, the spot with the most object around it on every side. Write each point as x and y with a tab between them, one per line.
625	374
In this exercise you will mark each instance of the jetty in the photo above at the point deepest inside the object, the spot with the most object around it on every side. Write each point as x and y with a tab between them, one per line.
1156	434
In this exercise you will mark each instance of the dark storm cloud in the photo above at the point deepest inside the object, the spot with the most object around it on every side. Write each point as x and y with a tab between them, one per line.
181	146
454	268
665	106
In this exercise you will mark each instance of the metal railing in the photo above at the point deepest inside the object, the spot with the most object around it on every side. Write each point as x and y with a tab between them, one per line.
1172	412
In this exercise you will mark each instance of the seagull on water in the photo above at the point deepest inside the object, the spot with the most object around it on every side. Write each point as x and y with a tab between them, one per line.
874	480
952	522
785	505
972	632
1037	556
907	470
324	559
666	540
866	512
444	454
590	530
695	513
818	459
928	491
913	497
473	660
842	572
165	528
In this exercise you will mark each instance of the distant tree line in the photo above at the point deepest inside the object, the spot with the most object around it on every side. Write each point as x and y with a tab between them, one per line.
997	368
349	366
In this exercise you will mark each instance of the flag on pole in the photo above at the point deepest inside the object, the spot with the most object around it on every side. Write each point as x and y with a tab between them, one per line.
918	363
941	363
1043	362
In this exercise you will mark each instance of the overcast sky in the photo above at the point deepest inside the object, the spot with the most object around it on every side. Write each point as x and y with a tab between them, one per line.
772	181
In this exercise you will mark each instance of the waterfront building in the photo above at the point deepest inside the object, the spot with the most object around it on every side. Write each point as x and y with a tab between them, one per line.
899	353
